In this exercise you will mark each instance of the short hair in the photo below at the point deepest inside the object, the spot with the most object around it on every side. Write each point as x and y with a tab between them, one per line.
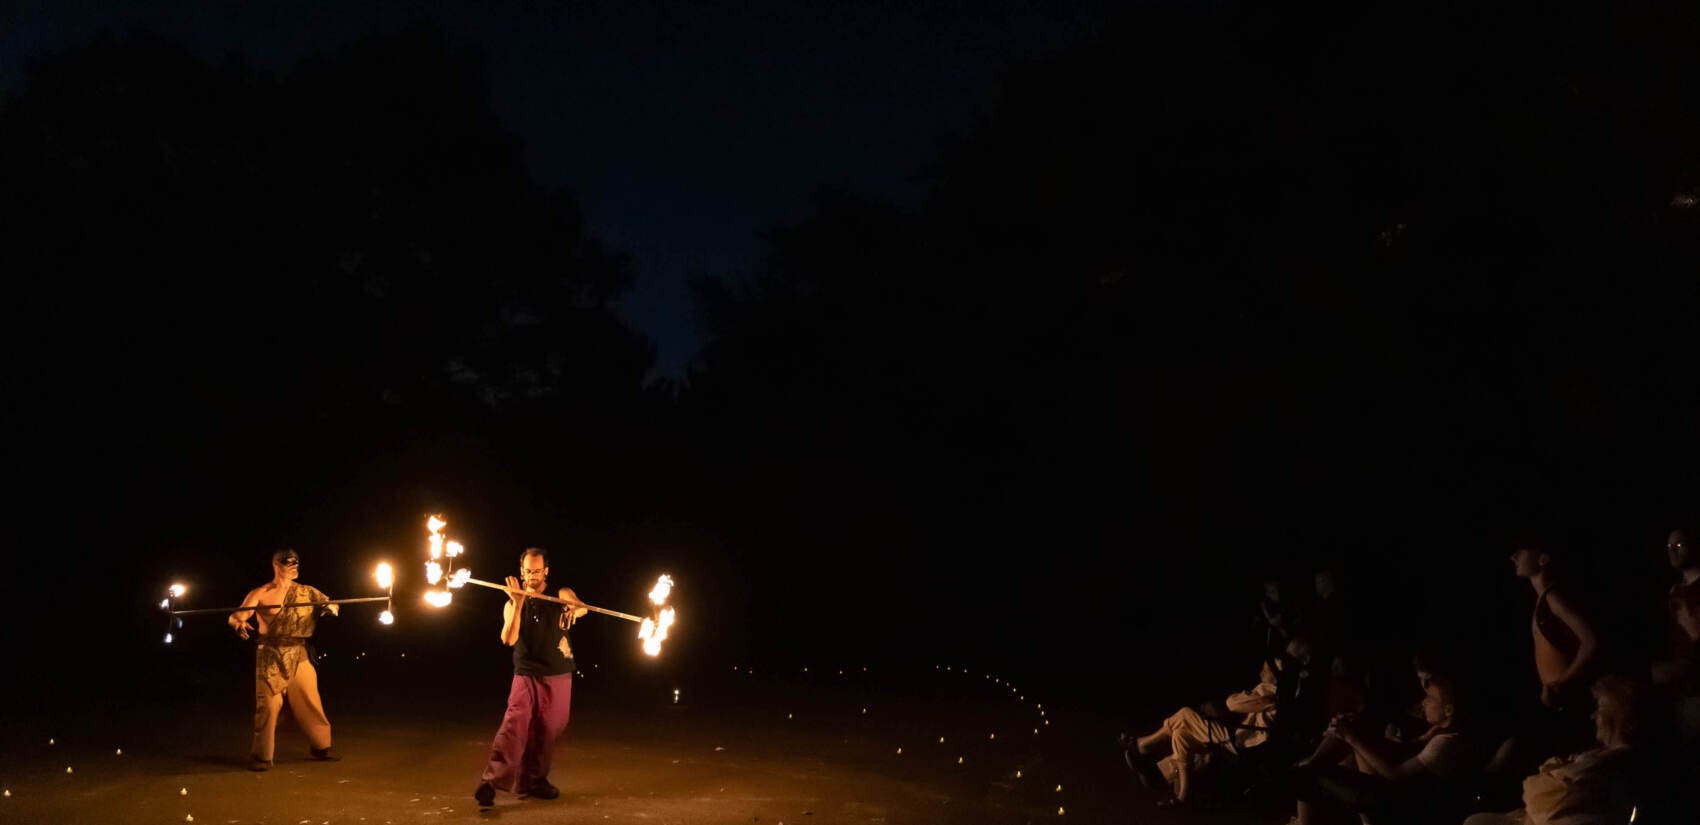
534	551
284	554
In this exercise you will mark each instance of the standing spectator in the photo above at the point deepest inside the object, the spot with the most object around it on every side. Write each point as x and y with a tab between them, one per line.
1680	676
1566	643
1684	557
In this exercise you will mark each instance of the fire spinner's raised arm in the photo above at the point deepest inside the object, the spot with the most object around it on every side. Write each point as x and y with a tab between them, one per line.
510	612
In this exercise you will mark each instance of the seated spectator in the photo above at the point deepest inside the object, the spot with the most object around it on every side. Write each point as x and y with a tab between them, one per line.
1599	786
1277	617
1330	618
1387	781
1188	740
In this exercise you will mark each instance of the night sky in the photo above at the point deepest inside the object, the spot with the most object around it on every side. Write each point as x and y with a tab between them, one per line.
686	130
1031	335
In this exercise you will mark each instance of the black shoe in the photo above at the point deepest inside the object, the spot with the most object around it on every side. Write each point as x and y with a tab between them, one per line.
1149	774
325	755
544	790
258	764
486	795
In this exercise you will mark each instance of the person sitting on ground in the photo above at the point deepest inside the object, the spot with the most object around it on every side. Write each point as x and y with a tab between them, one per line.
1604	784
1188	739
1393	781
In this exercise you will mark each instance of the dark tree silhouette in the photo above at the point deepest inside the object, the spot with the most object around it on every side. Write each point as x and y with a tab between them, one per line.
1228	285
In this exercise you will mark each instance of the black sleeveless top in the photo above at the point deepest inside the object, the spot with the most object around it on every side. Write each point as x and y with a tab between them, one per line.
542	649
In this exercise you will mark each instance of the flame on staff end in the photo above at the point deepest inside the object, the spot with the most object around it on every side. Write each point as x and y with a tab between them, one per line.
177	591
386	577
663	586
438	598
654	631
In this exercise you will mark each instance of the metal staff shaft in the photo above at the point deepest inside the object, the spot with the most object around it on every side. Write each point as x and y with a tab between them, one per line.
527	593
263	606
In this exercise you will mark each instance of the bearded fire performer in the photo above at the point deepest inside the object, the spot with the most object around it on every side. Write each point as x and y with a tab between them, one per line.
283	662
540	700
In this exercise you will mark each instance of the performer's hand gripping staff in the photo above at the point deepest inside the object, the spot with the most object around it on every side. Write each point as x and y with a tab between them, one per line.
241	617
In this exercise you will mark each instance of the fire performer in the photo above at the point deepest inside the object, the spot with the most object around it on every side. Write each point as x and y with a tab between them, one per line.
283	663
540	700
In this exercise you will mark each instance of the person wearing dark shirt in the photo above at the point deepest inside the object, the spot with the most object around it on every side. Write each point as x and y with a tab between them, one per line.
540	699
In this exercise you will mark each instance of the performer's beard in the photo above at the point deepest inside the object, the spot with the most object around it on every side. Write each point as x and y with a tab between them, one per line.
535	586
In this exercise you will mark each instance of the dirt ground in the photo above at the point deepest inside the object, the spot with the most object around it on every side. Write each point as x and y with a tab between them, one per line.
803	749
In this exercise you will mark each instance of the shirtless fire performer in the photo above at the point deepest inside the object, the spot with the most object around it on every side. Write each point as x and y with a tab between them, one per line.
283	663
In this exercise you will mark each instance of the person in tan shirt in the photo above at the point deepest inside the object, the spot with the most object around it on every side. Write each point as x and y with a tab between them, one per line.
1188	738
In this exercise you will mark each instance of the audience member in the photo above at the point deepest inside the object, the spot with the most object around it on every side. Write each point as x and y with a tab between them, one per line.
1388	781
1277	617
1188	739
1566	643
1604	784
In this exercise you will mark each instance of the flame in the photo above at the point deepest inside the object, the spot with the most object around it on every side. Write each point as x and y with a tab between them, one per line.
436	546
433	572
386	577
386	617
455	549
653	633
435	524
663	586
177	591
459	578
438	598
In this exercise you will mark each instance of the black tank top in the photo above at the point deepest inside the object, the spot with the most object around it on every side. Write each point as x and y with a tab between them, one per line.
542	649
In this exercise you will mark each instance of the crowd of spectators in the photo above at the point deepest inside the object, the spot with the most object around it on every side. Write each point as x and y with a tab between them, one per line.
1330	733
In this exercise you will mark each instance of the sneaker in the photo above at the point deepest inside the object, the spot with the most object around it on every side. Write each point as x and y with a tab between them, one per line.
544	790
326	754
486	795
258	764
